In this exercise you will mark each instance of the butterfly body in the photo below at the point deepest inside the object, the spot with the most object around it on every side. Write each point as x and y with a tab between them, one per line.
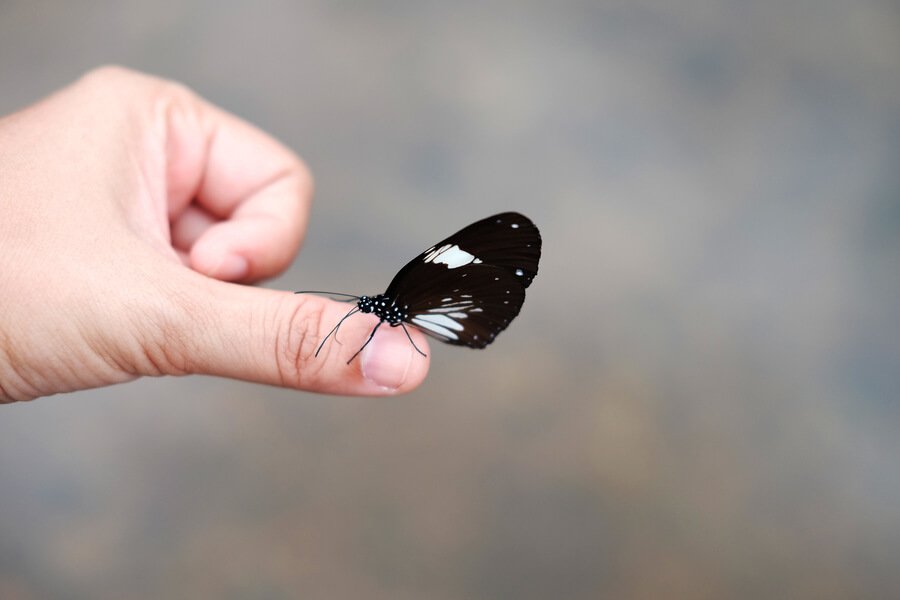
465	289
384	308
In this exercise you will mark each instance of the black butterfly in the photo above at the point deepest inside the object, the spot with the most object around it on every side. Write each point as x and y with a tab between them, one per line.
465	289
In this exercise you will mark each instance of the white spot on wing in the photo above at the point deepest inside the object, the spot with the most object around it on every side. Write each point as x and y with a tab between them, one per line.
449	308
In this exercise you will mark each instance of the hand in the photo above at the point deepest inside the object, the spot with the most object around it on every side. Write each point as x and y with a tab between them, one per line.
126	205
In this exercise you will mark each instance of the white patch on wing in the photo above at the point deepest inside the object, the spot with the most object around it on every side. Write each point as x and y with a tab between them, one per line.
442	320
451	255
438	325
450	308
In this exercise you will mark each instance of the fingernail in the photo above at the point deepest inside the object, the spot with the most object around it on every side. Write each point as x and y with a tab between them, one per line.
386	360
231	268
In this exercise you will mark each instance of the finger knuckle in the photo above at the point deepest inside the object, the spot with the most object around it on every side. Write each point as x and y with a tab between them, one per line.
108	73
160	346
296	340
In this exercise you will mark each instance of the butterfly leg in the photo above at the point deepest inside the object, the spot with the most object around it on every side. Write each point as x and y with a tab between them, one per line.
334	331
371	335
406	331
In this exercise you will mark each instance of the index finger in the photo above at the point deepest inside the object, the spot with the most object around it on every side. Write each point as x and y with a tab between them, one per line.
238	199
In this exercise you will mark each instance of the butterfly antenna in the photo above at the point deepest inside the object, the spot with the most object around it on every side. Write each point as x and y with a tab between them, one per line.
348	297
406	331
371	335
353	311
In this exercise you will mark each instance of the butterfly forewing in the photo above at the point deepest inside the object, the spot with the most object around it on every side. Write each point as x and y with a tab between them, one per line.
508	240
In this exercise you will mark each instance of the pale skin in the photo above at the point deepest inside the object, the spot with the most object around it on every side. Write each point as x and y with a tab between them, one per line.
132	214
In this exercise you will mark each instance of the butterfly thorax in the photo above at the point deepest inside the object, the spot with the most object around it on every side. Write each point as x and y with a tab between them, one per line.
384	308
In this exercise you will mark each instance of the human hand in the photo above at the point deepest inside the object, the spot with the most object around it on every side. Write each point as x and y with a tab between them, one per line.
127	205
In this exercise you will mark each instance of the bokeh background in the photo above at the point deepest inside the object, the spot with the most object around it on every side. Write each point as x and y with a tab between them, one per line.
700	399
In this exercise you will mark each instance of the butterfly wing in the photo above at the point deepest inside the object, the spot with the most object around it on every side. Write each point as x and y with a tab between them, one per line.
467	288
508	240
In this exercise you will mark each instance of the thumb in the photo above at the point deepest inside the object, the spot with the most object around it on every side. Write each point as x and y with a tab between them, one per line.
271	337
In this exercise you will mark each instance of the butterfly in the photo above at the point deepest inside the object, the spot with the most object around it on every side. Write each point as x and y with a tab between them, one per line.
464	290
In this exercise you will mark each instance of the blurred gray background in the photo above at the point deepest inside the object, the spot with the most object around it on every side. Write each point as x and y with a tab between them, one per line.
700	399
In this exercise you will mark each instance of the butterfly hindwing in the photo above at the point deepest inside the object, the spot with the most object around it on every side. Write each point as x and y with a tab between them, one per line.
467	306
